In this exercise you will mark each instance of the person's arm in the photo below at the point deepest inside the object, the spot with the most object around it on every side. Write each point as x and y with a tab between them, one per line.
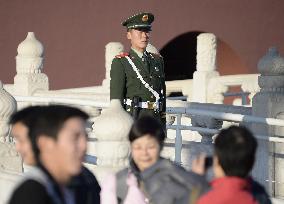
134	194
117	80
30	192
108	190
198	165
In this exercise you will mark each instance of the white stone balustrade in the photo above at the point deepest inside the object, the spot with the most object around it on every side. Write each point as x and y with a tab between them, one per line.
183	86
8	105
205	66
219	85
112	147
9	158
112	49
269	103
29	65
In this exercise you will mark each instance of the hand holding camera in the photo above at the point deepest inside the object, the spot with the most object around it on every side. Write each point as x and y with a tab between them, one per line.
202	163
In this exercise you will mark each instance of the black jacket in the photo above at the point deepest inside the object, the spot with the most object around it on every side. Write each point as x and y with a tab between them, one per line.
86	188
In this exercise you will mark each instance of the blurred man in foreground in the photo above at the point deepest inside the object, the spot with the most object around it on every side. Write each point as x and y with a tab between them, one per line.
53	138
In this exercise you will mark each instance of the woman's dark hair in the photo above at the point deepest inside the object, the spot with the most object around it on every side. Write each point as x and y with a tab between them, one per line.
147	125
235	149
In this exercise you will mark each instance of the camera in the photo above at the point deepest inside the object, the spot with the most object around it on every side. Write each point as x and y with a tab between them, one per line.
208	162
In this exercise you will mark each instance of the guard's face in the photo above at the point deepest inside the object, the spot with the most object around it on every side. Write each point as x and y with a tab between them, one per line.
68	151
23	143
139	39
145	152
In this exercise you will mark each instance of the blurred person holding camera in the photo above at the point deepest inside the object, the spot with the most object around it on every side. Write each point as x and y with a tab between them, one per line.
233	160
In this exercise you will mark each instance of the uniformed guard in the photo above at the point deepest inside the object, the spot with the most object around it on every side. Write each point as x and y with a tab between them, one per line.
137	77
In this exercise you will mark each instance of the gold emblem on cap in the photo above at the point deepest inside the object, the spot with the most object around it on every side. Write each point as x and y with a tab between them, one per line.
145	18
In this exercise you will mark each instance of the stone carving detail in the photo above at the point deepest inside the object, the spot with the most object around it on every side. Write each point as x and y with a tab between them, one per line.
206	52
112	49
215	91
29	58
8	105
271	64
271	68
205	66
111	130
9	158
268	103
29	65
250	87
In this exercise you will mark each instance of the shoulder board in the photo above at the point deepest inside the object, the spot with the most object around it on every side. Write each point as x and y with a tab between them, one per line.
121	55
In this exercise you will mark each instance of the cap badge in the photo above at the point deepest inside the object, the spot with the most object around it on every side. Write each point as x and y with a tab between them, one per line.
145	18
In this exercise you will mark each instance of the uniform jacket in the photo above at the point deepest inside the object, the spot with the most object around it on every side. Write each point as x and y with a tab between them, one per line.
233	190
125	84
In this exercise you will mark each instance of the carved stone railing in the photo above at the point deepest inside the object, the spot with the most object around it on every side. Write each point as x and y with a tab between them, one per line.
217	86
9	158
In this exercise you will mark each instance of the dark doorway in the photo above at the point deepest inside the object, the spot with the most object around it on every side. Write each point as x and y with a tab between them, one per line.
180	56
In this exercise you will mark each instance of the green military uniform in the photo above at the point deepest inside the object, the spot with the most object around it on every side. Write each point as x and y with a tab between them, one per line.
128	82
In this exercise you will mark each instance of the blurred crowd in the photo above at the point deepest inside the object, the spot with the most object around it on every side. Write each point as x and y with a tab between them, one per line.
53	140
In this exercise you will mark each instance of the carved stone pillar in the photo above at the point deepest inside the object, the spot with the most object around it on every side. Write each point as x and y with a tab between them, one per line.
252	88
205	66
29	65
112	147
9	158
112	49
8	105
269	102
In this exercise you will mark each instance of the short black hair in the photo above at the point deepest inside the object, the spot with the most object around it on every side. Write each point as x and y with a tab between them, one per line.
50	121
235	149
25	115
147	125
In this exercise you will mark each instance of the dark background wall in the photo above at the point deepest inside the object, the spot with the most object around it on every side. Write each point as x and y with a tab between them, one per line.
74	34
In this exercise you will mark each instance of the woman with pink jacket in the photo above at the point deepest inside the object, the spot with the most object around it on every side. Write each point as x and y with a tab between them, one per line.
149	177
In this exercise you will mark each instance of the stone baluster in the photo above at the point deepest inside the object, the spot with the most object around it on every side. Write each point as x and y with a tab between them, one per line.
215	91
112	147
250	87
205	66
111	50
9	158
151	48
268	102
8	105
29	65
